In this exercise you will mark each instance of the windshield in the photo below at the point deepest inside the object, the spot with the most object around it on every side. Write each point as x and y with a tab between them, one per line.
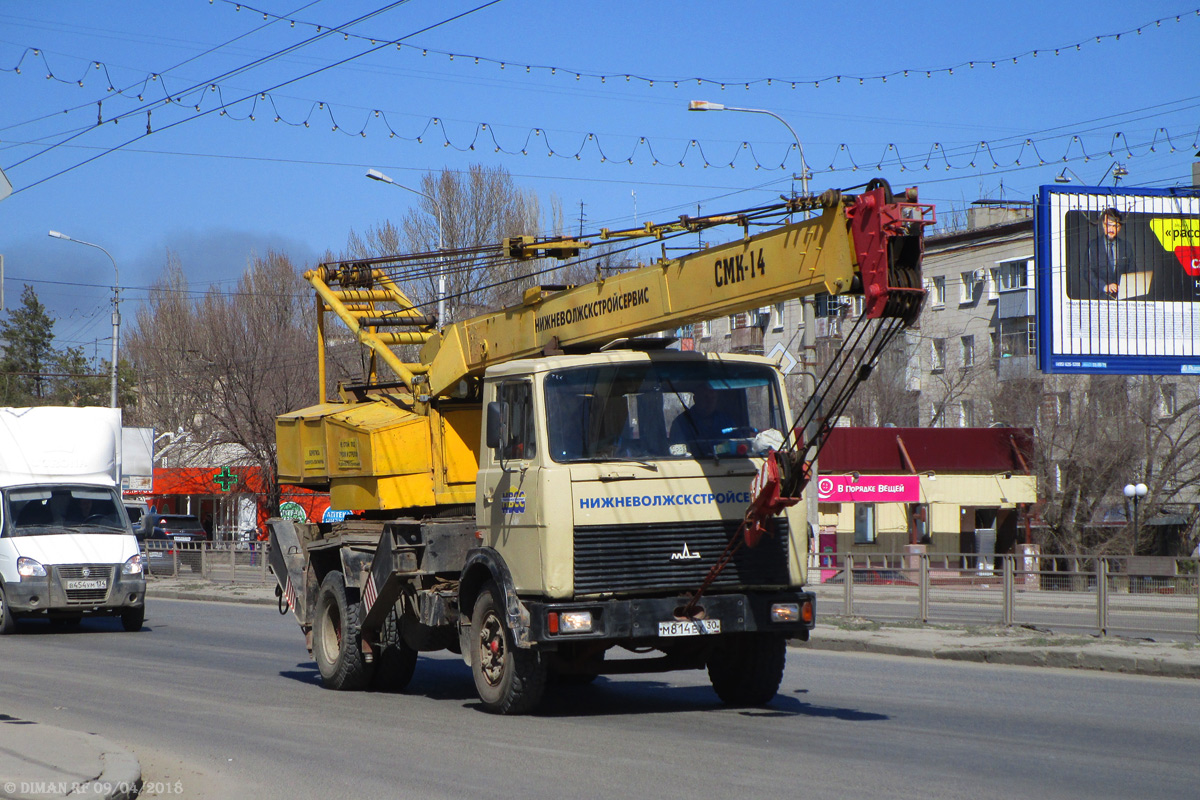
43	510
663	410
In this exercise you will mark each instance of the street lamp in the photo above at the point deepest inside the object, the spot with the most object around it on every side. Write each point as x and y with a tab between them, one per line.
1135	492
116	315
705	105
808	341
376	175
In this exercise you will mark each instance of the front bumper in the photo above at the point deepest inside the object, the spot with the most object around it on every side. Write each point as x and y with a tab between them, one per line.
43	595
637	621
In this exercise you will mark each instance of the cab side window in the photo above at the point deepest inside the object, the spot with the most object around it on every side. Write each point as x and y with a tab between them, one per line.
516	399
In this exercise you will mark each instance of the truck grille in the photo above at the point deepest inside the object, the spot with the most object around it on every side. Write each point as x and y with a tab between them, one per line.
84	572
663	556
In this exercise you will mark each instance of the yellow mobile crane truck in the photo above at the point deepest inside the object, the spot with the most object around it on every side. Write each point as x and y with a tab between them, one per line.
541	486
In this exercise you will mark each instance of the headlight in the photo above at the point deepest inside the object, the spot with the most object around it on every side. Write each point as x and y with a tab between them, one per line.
569	622
28	568
133	566
785	612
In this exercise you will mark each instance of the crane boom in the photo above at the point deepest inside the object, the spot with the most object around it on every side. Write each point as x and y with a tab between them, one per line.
868	243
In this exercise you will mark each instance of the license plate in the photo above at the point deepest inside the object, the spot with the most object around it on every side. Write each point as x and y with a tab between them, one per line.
687	627
87	584
182	538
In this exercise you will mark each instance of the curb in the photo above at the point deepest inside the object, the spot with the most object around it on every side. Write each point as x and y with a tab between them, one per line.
1064	658
206	596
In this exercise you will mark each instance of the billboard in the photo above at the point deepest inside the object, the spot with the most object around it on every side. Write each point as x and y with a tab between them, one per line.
1118	280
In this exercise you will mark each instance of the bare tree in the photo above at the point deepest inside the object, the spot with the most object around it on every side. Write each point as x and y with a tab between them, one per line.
223	367
477	209
162	344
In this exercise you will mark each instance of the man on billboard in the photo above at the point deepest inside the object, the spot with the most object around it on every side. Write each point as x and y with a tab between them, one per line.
1109	257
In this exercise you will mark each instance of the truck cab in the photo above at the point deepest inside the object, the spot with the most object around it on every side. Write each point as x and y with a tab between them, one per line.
610	487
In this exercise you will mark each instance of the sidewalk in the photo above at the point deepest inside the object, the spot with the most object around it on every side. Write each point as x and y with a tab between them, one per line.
42	761
1017	646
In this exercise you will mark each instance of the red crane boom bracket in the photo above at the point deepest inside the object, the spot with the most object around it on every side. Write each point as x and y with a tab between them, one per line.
882	230
767	499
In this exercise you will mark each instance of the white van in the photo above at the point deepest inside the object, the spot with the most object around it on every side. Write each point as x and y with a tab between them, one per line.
66	546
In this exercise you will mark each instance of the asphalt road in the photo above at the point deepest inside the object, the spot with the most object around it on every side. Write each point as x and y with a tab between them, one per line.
221	700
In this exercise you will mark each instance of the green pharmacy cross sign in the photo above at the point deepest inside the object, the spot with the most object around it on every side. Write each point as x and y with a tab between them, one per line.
225	479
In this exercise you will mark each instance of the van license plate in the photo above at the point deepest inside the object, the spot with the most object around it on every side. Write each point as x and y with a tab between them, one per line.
87	584
687	627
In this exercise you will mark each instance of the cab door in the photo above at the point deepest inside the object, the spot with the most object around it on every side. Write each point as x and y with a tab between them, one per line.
509	477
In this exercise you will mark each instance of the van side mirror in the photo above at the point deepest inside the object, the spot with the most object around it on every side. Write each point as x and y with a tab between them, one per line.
496	426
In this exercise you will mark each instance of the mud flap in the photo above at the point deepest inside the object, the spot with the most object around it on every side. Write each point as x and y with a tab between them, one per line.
286	557
391	566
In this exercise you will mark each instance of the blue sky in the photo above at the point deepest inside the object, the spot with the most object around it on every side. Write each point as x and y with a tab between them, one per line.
215	188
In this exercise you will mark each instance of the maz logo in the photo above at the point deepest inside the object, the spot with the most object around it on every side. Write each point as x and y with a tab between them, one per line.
686	555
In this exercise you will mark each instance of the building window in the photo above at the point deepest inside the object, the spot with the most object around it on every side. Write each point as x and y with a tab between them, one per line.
969	285
1062	406
1013	275
968	351
966	414
864	523
993	284
706	329
777	317
1166	400
937	361
939	291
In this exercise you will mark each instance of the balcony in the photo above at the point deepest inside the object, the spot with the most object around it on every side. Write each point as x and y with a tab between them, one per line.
1012	367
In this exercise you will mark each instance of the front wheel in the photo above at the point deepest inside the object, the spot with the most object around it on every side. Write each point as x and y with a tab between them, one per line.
509	679
8	623
133	617
746	669
336	647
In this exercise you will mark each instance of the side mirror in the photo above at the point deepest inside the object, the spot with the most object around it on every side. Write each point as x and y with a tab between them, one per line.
496	427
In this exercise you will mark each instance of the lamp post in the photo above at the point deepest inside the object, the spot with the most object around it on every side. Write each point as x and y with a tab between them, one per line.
808	341
1135	492
116	315
705	105
376	175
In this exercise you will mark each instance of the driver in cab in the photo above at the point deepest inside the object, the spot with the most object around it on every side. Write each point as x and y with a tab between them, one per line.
703	423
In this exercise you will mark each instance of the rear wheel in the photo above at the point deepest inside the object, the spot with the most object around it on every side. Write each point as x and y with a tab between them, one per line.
336	646
746	669
133	617
509	679
8	623
396	661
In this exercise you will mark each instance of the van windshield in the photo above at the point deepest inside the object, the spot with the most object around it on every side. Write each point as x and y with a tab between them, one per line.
44	510
663	410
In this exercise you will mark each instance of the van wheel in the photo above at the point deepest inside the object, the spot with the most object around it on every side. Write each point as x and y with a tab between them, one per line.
336	646
509	679
8	623
133	617
746	670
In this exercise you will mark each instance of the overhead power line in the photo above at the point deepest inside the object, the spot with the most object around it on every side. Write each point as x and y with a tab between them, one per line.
674	82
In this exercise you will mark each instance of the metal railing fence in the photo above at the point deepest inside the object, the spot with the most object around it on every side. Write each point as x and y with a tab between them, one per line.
1124	595
228	562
